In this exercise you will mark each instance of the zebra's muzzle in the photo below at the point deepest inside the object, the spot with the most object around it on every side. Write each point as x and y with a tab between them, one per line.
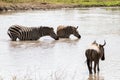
57	38
79	36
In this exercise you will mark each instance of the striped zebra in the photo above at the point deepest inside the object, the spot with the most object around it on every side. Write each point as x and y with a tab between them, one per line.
30	33
93	54
66	31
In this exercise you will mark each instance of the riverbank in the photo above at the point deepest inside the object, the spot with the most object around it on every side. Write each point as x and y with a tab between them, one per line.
13	6
32	6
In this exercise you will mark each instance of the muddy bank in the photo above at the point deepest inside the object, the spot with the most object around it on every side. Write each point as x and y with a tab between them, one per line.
33	6
39	6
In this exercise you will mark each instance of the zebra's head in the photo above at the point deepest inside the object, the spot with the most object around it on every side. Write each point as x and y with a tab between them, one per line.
75	32
48	31
101	47
53	35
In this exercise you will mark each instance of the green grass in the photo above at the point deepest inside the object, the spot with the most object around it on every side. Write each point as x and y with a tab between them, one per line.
107	3
78	2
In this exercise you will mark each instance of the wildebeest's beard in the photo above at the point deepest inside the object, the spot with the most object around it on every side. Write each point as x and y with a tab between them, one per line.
102	51
103	57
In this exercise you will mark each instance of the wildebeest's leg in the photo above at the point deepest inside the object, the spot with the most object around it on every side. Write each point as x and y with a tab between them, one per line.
98	66
89	68
88	64
95	66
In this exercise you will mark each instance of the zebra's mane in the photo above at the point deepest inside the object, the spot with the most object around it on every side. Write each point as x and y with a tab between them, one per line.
64	27
60	27
45	27
69	26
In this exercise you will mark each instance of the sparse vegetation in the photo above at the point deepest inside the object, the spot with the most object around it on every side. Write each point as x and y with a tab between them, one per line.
13	5
78	2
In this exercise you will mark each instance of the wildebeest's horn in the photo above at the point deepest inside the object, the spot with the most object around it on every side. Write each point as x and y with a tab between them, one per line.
104	43
94	42
77	27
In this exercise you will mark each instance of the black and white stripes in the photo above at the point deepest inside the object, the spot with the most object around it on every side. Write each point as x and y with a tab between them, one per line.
30	33
66	31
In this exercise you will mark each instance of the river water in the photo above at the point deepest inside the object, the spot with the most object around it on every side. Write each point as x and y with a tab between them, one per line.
47	59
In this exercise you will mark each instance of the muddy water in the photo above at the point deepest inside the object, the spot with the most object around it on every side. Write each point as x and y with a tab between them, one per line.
47	59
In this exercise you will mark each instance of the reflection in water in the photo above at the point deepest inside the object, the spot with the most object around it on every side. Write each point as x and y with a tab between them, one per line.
95	77
73	41
113	8
10	12
28	44
42	44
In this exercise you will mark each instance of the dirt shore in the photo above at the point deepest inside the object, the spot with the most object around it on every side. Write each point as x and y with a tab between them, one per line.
39	6
33	6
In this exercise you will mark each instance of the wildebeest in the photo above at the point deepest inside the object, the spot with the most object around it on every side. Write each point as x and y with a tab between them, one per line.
93	54
30	33
66	31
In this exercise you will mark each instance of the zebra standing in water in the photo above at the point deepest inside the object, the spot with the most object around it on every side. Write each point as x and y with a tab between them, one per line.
30	33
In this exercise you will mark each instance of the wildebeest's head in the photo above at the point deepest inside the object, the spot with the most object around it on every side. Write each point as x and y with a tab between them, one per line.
102	50
75	32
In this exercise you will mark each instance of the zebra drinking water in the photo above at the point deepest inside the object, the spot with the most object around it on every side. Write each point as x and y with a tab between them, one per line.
30	33
66	31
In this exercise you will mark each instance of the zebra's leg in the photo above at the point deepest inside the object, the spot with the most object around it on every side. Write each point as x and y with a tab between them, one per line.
95	63
89	68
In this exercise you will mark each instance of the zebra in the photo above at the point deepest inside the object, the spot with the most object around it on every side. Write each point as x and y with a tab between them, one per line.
93	54
66	31
30	33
